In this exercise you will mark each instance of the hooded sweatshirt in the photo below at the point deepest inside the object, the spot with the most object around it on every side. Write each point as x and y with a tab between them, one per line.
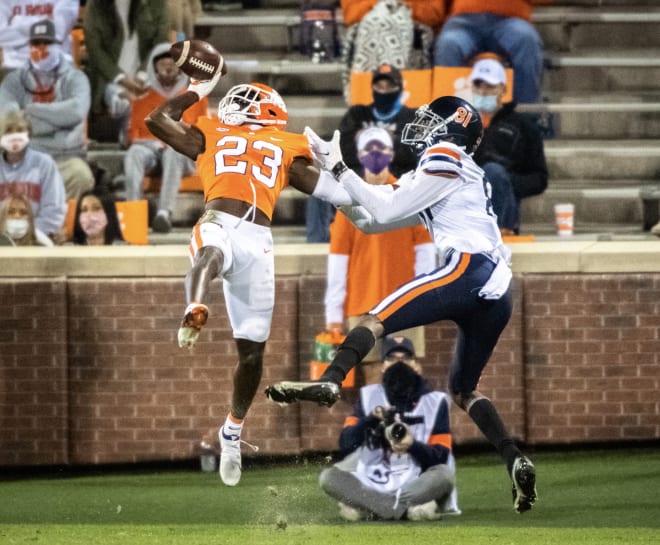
57	108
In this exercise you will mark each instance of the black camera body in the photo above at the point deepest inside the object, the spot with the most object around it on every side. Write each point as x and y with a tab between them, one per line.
389	428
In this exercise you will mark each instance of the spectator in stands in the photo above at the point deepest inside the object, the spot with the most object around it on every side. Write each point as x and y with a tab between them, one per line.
428	12
363	268
149	155
17	222
18	16
511	150
499	26
183	14
32	173
96	222
410	27
55	97
386	111
120	35
397	446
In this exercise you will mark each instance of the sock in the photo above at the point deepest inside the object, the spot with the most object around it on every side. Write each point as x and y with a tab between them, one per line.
232	428
163	212
484	415
358	343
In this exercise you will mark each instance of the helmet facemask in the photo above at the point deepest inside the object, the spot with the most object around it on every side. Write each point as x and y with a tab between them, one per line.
424	130
253	103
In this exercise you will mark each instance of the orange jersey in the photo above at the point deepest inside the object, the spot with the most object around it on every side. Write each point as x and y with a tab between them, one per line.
248	164
147	103
378	263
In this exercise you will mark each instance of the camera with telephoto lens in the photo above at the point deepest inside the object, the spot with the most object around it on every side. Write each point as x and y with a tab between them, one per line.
385	429
396	432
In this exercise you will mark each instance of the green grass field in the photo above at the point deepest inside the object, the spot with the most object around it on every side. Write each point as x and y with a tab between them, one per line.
586	497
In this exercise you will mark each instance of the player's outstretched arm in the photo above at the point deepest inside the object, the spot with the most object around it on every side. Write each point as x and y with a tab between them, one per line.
165	123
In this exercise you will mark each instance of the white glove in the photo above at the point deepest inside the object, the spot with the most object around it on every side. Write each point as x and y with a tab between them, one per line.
204	88
326	153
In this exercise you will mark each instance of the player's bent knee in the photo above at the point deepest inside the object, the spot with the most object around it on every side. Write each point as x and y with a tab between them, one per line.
466	399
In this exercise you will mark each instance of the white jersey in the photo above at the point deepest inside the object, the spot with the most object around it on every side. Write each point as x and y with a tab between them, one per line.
449	193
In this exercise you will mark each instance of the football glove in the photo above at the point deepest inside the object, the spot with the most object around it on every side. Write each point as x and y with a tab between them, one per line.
205	87
326	153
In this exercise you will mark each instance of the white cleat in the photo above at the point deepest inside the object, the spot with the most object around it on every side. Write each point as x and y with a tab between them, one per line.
194	319
230	458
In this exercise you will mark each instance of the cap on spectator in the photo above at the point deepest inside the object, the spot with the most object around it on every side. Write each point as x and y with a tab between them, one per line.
43	31
488	70
387	71
372	134
397	344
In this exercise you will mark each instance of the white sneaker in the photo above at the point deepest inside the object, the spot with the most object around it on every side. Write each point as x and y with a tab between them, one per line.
424	511
349	513
230	458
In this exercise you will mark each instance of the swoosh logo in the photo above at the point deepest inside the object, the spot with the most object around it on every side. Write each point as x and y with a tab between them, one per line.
267	250
230	437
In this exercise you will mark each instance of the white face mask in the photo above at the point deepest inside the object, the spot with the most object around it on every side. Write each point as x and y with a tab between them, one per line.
17	228
484	103
45	61
14	142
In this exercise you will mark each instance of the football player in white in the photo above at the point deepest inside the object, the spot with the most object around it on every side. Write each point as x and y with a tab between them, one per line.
450	194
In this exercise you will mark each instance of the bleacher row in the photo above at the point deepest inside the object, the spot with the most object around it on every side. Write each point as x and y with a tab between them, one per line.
601	96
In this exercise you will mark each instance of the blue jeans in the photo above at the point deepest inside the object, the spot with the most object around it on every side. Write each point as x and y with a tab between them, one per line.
318	217
505	203
466	35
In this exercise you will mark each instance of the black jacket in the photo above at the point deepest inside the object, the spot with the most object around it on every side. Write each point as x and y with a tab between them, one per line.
360	117
514	140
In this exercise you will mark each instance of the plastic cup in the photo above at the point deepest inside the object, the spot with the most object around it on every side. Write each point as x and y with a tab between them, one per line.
564	216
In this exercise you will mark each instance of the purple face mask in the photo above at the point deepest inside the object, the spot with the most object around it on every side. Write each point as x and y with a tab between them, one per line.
375	161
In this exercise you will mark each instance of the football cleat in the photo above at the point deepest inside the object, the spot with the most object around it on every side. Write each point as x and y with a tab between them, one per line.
230	458
194	319
285	393
523	475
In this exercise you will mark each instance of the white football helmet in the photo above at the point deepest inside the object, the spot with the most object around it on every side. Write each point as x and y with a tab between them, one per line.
253	103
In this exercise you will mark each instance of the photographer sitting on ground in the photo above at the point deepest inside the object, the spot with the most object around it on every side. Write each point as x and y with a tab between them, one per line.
397	444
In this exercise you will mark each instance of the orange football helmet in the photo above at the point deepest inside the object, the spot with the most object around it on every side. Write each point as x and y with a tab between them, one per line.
253	103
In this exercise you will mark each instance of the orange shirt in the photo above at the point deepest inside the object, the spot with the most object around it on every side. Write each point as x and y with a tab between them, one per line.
248	164
377	264
147	103
508	8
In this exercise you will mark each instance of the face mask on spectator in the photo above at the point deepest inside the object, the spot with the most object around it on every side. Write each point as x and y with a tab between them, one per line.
484	103
93	223
384	103
44	58
14	142
17	228
375	161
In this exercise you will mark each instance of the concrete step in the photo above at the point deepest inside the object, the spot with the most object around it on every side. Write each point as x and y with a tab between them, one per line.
619	202
567	28
604	160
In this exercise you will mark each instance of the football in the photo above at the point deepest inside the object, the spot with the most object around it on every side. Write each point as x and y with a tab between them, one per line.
198	59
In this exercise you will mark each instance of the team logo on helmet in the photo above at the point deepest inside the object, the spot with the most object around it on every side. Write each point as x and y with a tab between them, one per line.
448	119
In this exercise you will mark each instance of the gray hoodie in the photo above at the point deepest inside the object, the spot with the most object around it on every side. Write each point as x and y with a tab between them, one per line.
58	127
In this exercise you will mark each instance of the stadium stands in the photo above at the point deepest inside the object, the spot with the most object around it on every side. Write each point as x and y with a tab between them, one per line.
603	65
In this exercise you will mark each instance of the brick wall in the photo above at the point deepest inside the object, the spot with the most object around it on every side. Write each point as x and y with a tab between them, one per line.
90	371
33	372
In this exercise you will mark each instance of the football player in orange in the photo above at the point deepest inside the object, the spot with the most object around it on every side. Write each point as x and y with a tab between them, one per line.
245	159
